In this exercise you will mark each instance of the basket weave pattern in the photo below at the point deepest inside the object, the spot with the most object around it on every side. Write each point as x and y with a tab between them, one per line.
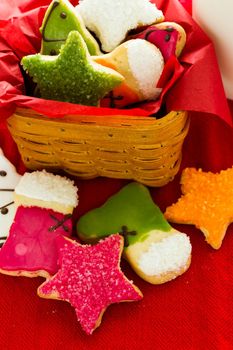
137	148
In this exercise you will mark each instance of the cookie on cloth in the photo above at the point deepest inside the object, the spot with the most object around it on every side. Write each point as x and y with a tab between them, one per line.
90	279
169	37
46	190
71	76
206	202
156	252
9	178
141	64
45	203
111	20
59	20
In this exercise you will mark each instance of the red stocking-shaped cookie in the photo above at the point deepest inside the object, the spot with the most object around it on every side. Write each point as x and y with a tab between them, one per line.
45	204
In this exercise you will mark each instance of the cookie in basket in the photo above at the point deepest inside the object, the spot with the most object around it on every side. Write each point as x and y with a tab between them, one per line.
206	202
156	252
59	20
45	203
111	20
71	76
9	178
141	64
169	37
90	279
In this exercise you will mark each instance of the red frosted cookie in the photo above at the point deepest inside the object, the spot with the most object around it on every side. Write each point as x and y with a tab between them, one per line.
169	37
90	279
30	249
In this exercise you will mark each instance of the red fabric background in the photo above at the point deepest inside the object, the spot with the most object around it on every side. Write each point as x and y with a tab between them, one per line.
193	312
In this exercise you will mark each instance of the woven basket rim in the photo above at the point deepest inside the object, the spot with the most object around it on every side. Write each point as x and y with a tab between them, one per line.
147	120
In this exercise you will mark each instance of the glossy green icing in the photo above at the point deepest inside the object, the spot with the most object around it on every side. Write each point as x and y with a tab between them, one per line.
133	207
60	19
71	76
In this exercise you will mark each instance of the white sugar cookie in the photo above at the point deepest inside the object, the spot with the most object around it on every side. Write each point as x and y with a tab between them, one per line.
9	178
112	20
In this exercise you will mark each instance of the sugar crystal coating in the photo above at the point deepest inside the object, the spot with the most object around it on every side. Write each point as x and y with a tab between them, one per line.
170	254
48	187
111	20
146	63
90	279
72	76
207	203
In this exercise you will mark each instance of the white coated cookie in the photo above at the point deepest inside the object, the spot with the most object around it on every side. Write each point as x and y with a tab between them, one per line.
112	20
9	178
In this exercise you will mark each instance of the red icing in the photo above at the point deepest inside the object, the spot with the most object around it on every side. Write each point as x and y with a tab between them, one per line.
158	37
90	279
31	246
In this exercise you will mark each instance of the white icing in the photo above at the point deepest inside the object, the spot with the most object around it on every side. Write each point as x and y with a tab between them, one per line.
48	187
111	20
7	182
146	63
170	254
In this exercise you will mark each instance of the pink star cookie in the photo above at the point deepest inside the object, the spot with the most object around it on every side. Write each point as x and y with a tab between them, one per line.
30	250
90	279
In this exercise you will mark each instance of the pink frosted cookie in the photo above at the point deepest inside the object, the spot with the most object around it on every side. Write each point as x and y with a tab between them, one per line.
90	279
111	20
45	203
30	249
8	180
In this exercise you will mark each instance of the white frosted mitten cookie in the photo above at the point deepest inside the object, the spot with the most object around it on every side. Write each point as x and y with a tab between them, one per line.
112	20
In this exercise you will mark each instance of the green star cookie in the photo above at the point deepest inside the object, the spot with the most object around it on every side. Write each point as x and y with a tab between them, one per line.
71	76
59	20
156	252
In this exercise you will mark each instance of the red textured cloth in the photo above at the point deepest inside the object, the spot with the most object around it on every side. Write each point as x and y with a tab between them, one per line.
193	312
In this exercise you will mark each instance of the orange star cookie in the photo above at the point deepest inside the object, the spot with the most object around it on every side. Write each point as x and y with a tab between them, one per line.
207	203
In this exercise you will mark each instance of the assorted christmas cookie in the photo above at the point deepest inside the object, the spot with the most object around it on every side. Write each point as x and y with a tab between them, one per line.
72	76
9	178
30	248
46	190
59	20
141	72
169	37
206	202
45	203
156	251
90	279
111	20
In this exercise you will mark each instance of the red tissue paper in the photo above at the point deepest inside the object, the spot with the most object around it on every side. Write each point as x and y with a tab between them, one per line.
183	88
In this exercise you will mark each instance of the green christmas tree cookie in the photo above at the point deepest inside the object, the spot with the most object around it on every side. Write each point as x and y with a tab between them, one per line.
60	19
156	251
72	76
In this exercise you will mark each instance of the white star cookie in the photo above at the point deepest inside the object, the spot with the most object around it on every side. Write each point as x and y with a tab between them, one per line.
111	20
8	181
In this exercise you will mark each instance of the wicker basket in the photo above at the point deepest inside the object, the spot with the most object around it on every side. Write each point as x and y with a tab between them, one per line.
138	148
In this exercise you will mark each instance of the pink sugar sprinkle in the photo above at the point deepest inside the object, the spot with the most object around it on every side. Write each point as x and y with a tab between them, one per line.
90	279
